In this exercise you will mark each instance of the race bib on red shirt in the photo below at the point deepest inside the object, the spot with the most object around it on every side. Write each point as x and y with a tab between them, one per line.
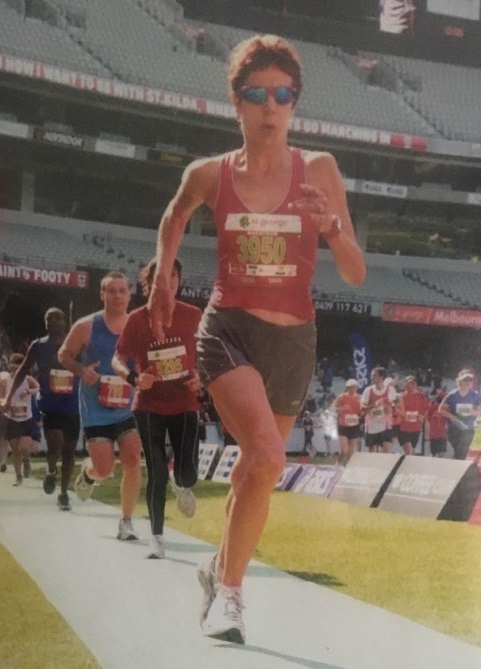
351	419
169	363
263	248
60	381
114	392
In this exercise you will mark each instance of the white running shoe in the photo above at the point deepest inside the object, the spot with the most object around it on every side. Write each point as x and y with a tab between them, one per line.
157	548
186	501
210	584
83	489
126	531
224	620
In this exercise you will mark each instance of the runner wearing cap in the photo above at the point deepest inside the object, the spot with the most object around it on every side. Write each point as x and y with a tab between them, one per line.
461	407
348	408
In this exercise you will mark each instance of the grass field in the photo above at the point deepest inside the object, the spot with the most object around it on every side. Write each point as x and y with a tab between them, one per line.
428	571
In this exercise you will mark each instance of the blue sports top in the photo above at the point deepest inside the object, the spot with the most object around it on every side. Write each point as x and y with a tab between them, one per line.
50	397
101	348
461	405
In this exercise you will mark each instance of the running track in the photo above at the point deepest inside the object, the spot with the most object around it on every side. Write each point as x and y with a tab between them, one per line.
133	612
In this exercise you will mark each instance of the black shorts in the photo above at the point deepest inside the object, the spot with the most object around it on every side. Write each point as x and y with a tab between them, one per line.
378	438
409	438
283	355
69	424
19	428
111	432
350	432
3	425
438	446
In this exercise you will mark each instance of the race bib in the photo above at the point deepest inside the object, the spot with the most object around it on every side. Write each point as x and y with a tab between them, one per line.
19	411
263	248
376	412
411	416
352	419
464	409
114	392
60	381
170	363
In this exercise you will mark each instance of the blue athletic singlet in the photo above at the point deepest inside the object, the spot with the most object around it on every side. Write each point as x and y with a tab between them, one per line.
101	348
461	406
58	388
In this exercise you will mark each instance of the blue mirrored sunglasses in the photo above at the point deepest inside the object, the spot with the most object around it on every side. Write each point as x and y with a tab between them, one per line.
258	95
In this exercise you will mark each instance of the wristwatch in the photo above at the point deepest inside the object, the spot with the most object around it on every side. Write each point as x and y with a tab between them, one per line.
335	229
132	377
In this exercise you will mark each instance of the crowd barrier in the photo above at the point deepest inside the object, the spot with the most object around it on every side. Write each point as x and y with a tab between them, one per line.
425	487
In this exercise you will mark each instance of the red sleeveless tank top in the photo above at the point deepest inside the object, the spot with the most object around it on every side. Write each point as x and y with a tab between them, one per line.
266	261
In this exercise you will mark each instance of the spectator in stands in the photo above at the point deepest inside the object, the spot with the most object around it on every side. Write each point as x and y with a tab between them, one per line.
377	402
18	411
257	339
166	386
414	407
461	407
105	399
347	405
58	402
308	424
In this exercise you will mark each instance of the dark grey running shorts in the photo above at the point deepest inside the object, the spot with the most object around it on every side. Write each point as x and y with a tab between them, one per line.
112	432
284	355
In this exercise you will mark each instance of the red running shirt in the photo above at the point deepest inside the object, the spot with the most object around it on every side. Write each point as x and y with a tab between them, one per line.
266	261
349	408
415	407
173	360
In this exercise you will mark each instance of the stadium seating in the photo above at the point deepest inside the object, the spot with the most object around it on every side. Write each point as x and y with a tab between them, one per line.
448	96
33	39
149	42
383	283
113	247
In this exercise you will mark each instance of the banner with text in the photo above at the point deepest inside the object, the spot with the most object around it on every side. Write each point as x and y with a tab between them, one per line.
406	313
44	276
146	95
361	359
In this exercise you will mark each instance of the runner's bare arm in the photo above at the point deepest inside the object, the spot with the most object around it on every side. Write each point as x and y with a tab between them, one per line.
20	374
198	185
325	199
75	342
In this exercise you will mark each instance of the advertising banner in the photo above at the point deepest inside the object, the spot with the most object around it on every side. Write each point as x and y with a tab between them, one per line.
365	478
152	96
207	454
224	468
406	313
361	359
291	472
317	480
433	488
44	276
